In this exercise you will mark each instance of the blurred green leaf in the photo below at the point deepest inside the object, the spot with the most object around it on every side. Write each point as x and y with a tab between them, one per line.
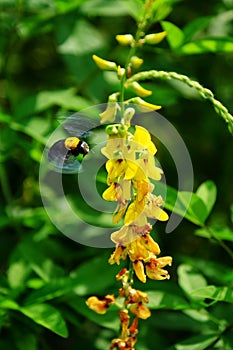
186	204
207	45
83	39
46	316
66	98
207	191
175	36
111	8
214	293
195	26
164	300
217	232
78	282
190	279
198	342
17	273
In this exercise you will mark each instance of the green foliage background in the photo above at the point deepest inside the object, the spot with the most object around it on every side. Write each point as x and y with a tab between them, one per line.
46	70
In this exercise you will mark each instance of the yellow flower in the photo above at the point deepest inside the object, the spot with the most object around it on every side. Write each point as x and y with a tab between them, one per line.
139	270
154	38
140	310
143	105
154	268
119	253
125	39
150	244
136	62
143	139
109	114
137	251
138	89
152	208
104	64
100	306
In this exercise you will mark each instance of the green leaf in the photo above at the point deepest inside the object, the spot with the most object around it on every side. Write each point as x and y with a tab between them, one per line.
43	266
190	279
79	281
83	39
66	99
214	293
207	45
196	26
184	203
207	191
217	232
164	300
17	273
110	8
175	36
199	342
46	316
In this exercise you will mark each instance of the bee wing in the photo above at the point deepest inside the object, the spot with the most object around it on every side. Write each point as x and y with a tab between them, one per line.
77	124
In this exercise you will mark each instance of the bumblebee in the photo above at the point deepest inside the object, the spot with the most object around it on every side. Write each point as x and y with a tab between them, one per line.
62	154
66	154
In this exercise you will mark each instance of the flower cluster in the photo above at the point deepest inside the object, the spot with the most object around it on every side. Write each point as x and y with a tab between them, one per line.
131	169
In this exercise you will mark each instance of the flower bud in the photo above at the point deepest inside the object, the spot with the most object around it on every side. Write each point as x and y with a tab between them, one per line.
154	38
136	62
104	64
144	106
139	90
125	39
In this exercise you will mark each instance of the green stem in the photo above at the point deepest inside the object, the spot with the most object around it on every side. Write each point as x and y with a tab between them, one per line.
140	31
5	185
207	94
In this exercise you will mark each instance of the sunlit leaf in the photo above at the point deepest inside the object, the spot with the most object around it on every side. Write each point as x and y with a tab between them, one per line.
190	279
207	191
214	293
207	45
175	36
217	232
199	342
46	316
164	300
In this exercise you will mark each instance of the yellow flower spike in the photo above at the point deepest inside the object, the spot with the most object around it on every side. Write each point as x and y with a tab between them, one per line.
143	105
154	38
139	270
104	64
140	310
136	62
125	39
138	89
